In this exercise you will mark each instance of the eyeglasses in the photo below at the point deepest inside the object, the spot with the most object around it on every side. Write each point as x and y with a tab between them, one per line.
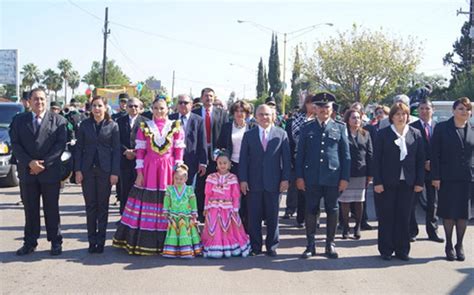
133	106
183	102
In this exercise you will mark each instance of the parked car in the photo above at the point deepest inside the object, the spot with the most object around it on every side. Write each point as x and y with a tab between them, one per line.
8	173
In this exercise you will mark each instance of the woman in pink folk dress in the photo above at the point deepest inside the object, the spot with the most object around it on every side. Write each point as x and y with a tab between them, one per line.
159	147
223	234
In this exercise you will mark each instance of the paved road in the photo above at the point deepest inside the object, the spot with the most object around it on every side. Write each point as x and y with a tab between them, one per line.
358	270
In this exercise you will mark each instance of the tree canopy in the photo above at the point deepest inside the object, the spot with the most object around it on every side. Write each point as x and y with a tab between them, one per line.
113	76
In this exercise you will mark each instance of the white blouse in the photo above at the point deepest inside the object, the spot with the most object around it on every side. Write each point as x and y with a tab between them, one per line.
237	136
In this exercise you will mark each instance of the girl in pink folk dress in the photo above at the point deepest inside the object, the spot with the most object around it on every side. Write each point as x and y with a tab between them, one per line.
159	147
223	234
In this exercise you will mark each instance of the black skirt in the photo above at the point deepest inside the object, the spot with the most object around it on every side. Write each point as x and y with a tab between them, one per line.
453	199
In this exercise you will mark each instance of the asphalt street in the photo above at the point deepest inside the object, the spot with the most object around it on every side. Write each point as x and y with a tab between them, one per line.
359	270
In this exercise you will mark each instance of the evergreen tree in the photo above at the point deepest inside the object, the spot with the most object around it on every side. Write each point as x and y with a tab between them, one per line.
265	80
274	71
260	79
295	85
461	49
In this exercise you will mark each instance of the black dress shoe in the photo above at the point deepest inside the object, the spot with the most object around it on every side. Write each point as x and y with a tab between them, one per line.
100	249
25	250
299	225
450	256
287	215
255	253
460	253
92	248
386	257
56	249
366	226
412	239
271	253
436	239
308	253
403	257
331	251
345	233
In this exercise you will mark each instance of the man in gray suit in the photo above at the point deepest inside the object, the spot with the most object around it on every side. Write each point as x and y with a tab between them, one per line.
264	171
38	139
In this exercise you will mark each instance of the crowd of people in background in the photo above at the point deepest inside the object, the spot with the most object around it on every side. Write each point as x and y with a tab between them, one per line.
195	165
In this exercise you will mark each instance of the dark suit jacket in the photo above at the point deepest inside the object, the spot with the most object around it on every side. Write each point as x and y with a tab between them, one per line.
387	165
218	118
127	138
323	156
195	152
264	170
225	138
47	144
107	144
427	143
361	155
451	159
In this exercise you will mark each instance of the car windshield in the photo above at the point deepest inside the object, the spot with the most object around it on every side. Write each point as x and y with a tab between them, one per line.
7	112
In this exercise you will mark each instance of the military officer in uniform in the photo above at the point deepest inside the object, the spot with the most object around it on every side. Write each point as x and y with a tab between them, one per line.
323	164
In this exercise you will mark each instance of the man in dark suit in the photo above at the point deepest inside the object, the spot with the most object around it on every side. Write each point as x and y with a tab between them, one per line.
426	126
38	140
213	119
264	172
323	164
128	126
195	154
123	99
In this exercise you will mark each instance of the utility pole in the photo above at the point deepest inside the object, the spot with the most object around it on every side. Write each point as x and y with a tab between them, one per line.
172	87
283	86
106	33
470	58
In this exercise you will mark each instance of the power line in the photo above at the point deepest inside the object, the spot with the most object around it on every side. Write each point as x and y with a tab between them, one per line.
85	11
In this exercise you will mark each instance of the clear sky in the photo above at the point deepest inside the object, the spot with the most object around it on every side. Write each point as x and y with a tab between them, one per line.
203	42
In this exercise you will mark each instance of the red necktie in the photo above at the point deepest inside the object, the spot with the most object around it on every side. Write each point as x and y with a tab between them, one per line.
208	126
427	131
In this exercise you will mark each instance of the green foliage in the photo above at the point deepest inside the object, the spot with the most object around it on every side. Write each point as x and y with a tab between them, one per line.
113	76
261	79
53	81
295	83
464	86
461	50
31	75
361	65
74	80
65	66
274	70
8	90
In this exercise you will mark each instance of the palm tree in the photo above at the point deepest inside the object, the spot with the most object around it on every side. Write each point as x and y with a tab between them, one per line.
74	81
49	77
65	66
56	84
31	75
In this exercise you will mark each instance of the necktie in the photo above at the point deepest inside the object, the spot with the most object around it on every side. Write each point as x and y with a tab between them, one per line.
183	125
208	126
427	131
264	141
37	123
323	125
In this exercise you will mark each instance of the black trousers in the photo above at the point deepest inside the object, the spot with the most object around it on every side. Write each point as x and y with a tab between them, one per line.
431	219
201	184
31	193
295	201
260	205
96	189
394	207
313	197
127	179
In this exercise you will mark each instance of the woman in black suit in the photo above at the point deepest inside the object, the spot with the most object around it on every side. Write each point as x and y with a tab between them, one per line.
97	166
398	173
230	139
360	144
453	173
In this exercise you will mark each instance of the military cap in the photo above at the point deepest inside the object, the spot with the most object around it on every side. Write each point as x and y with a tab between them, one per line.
123	97
270	101
54	104
323	98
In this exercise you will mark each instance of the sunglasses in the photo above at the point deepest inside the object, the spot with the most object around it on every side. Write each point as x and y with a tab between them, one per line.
183	102
133	106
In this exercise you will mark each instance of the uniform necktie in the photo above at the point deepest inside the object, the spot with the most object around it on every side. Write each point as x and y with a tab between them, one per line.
323	125
264	141
208	126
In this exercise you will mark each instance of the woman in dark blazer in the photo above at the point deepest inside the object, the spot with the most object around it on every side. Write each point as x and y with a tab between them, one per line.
97	166
360	144
230	139
398	173
452	170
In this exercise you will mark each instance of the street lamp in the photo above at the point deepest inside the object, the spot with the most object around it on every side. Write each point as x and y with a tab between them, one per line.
302	31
